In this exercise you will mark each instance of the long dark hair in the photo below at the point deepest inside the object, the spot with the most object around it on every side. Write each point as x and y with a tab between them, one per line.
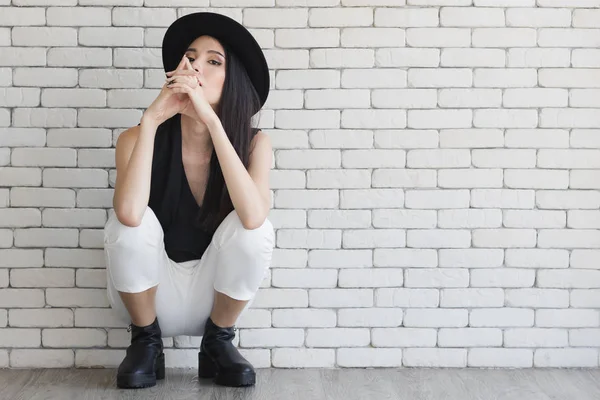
238	104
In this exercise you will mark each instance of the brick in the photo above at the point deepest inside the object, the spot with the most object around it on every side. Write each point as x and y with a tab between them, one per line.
575	238
581	298
332	17
470	218
582	337
6	238
306	198
413	258
20	258
276	18
44	36
41	318
406	17
5	76
78	178
16	16
407	57
471	138
369	357
373	119
370	278
430	78
584	98
399	218
501	317
537	298
38	197
539	17
20	218
408	138
307	318
537	258
13	176
472	297
94	198
469	337
337	98
535	98
436	199
273	337
586	179
22	56
19	97
500	358
41	358
137	58
78	16
505	118
471	16
79	57
572	199
571	278
337	298
566	358
583	219
111	36
45	77
301	278
372	198
33	157
332	58
505	3
390	177
403	337
572	77
567	318
568	37
307	119
504	37
537	138
511	77
303	358
45	117
73	337
97	318
538	57
42	277
307	37
537	179
372	37
438	37
535	337
473	58
76	298
281	298
423	298
435	318
21	298
585	57
504	238
404	98
341	179
373	78
340	258
434	277
570	159
534	219
469	98
337	337
470	178
342	219
357	317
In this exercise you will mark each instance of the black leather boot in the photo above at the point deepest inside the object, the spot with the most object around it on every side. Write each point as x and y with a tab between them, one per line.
220	359
145	360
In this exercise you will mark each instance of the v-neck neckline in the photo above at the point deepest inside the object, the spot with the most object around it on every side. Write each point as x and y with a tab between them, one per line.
186	182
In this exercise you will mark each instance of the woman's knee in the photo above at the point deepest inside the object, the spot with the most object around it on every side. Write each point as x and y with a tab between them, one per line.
149	232
232	236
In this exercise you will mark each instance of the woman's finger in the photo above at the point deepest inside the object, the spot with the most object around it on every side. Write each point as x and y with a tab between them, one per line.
180	72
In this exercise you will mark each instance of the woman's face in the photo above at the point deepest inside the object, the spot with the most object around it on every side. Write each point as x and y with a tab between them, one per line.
207	57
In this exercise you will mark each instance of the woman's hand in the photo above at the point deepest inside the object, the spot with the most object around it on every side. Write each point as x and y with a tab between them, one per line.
186	81
166	104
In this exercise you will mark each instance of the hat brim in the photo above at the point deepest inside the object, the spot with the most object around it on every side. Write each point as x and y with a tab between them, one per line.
188	28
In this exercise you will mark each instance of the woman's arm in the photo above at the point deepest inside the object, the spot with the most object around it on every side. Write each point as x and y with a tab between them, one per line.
248	189
133	158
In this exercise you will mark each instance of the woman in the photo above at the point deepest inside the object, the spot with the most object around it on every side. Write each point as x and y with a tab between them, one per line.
189	241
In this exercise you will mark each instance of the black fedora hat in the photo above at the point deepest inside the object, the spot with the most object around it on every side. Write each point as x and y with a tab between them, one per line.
228	31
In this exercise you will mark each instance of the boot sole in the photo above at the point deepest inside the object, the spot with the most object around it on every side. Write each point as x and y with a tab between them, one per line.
207	369
139	381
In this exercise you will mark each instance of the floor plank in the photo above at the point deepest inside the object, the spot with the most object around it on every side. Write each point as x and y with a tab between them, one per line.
301	384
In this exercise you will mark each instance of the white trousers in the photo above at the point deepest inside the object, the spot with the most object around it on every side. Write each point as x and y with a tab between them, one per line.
235	264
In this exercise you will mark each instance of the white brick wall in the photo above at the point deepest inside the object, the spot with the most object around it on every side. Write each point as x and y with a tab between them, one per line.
436	180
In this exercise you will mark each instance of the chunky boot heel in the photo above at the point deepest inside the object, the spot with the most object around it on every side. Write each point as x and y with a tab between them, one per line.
218	355
206	367
144	361
160	367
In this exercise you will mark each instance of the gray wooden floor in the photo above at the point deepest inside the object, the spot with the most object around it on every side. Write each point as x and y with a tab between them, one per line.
309	384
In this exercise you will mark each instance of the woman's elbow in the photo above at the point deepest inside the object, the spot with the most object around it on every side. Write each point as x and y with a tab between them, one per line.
127	216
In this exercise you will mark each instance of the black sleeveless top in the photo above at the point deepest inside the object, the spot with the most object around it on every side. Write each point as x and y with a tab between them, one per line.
171	198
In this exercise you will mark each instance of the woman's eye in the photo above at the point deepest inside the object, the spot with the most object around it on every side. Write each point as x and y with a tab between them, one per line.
214	62
191	59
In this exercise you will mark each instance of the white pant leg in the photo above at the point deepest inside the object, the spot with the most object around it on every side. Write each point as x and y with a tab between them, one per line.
136	261
234	264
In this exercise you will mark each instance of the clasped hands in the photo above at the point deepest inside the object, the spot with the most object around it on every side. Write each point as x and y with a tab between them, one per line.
185	80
